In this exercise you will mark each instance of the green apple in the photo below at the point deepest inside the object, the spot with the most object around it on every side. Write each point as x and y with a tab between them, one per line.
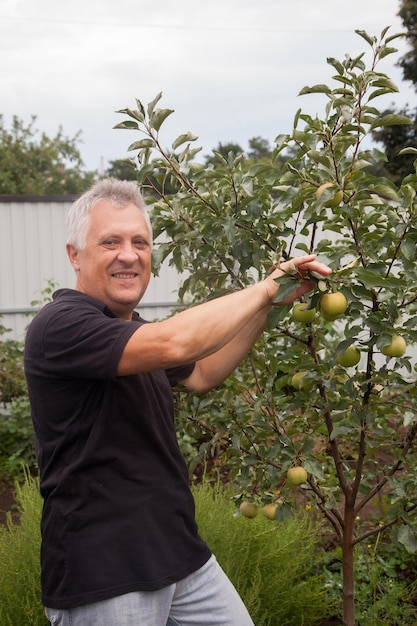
298	383
296	476
351	356
333	305
301	313
248	509
269	510
397	347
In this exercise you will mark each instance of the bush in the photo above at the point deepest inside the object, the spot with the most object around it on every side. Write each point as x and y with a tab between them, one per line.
277	568
12	378
19	561
17	440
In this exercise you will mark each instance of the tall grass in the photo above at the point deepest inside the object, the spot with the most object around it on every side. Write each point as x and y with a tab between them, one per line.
276	566
19	561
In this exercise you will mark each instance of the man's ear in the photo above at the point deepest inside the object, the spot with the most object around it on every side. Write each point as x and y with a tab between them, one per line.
72	252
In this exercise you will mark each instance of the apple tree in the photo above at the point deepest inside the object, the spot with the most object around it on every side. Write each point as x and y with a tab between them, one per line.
349	418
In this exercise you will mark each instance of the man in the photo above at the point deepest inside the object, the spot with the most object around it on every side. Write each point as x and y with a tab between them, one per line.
119	541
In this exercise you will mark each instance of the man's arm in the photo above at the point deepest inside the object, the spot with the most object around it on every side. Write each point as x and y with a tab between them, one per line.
217	334
215	368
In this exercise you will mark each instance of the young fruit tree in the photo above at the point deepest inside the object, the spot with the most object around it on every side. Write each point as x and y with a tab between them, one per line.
330	388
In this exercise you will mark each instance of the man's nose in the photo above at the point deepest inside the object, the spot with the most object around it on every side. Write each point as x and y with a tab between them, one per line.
127	252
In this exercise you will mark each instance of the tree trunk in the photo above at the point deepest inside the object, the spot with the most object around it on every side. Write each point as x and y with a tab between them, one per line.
348	589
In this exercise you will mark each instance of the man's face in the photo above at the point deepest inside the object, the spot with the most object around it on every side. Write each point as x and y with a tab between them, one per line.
115	264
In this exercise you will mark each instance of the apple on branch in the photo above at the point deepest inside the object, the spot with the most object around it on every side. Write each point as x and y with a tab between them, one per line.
396	348
270	510
248	509
302	313
350	357
333	305
296	476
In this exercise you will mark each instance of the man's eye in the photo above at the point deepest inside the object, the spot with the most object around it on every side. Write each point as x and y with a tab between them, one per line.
110	243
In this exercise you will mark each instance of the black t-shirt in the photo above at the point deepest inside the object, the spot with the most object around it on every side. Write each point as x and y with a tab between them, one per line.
118	512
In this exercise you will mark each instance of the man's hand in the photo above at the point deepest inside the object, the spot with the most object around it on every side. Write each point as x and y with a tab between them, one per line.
299	269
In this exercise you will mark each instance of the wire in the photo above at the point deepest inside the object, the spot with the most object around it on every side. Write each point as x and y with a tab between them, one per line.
173	26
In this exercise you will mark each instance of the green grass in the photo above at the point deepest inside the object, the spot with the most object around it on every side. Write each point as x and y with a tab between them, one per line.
19	562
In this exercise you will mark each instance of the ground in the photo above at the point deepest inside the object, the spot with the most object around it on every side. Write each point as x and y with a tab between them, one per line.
7	501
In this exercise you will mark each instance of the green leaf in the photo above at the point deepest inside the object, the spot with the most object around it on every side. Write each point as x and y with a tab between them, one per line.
276	316
372	279
136	114
284	511
286	287
158	117
368	38
408	248
341	431
390	119
315	89
142	143
140	107
127	125
383	52
385	191
313	467
409	150
338	66
153	103
182	139
360	164
407	539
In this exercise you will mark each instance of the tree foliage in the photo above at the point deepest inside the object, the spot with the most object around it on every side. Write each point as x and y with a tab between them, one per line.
352	428
408	63
394	138
31	163
121	169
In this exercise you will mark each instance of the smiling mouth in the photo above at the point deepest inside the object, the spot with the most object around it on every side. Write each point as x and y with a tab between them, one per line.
125	275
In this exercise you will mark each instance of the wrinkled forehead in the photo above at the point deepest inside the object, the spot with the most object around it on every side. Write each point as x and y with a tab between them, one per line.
126	217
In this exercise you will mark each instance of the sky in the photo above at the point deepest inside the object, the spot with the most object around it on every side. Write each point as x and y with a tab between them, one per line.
231	69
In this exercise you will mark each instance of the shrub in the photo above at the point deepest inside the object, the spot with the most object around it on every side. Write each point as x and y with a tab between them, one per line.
17	440
276	567
19	561
12	378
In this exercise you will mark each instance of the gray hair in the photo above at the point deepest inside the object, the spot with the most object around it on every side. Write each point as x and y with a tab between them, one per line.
119	192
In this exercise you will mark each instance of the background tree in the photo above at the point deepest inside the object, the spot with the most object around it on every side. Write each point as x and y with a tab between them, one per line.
223	150
121	169
31	163
395	138
259	148
408	14
349	424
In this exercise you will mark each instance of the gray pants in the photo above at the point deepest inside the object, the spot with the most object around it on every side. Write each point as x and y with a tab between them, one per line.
205	598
